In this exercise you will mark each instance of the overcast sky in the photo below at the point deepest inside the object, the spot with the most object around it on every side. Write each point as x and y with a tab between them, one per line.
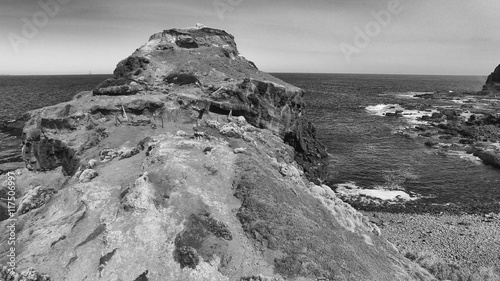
422	37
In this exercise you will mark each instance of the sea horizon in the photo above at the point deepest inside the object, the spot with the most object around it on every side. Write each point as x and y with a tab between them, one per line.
277	72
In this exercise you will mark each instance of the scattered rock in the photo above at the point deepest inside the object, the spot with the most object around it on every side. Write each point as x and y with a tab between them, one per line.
231	130
28	275
199	135
92	163
213	124
35	198
289	170
181	134
240	150
108	154
128	152
87	176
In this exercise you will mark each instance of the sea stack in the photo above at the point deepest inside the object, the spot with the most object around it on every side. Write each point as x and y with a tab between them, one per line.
189	164
493	83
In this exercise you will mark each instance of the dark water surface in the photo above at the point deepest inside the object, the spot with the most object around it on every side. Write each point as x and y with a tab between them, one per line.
368	154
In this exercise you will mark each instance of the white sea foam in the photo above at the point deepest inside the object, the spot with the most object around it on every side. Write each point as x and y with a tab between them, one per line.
411	116
413	95
381	109
466	156
351	189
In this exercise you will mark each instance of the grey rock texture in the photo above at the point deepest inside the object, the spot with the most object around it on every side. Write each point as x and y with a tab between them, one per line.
493	83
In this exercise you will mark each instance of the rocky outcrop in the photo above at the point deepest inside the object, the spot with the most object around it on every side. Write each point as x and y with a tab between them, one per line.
35	198
489	157
216	78
28	275
41	153
493	83
207	172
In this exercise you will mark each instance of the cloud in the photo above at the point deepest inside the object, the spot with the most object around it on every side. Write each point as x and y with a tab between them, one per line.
282	35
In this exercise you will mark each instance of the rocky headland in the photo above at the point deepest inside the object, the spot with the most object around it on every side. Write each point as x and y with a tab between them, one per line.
190	164
493	83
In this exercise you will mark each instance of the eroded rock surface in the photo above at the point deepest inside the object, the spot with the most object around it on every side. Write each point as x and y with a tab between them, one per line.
493	82
209	171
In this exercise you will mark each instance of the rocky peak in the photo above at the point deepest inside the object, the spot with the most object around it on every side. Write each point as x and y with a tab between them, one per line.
207	61
493	82
205	54
191	38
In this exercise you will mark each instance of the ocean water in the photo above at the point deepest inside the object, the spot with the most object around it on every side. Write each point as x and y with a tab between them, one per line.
19	94
366	152
364	149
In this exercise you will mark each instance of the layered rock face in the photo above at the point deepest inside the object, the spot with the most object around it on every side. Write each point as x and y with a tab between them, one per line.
216	78
190	164
493	83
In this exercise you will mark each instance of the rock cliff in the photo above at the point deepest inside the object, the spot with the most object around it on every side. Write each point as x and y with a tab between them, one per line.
190	164
493	82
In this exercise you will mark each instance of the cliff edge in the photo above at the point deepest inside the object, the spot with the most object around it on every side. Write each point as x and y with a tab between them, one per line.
189	164
493	83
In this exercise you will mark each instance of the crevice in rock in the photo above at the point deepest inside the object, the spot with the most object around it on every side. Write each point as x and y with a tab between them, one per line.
103	261
98	231
217	109
57	241
142	277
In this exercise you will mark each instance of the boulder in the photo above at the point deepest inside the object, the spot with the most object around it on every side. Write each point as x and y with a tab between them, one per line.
35	198
92	163
489	157
87	175
128	152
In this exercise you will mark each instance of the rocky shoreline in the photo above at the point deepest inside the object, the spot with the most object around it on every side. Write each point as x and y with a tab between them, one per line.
470	242
461	123
466	125
460	243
